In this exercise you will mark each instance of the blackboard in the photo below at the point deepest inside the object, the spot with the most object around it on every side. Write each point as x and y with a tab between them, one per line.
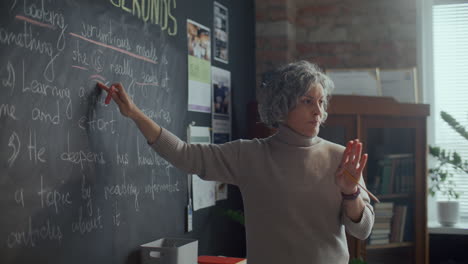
78	183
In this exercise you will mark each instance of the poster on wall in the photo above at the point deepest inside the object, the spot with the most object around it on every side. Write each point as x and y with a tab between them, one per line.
221	129
221	134
357	81
222	107
204	192
221	116
400	84
199	67
221	33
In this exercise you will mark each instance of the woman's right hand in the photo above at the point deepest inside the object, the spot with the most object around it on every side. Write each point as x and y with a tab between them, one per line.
126	105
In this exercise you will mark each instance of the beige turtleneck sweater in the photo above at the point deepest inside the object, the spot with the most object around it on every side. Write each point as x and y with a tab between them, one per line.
293	208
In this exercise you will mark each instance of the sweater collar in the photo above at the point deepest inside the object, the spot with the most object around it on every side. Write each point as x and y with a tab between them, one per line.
291	137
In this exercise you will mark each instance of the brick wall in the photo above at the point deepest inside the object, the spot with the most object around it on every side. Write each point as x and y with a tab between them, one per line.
336	33
275	34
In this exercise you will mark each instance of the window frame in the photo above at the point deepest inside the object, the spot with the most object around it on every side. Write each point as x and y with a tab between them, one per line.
426	71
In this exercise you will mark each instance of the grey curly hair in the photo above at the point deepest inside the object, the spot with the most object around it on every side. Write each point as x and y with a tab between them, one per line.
281	91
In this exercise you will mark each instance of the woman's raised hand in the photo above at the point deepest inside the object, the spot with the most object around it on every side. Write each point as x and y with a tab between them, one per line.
354	164
126	105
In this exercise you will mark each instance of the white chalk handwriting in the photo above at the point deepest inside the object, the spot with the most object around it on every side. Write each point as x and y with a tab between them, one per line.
15	144
31	236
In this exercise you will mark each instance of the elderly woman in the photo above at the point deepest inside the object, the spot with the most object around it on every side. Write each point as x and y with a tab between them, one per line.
297	201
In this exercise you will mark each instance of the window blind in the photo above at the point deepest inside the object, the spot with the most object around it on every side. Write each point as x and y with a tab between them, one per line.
450	33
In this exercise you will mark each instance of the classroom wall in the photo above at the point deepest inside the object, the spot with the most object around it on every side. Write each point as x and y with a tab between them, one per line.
336	33
222	235
163	216
217	233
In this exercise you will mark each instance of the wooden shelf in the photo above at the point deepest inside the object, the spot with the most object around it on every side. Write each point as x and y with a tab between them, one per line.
391	245
374	106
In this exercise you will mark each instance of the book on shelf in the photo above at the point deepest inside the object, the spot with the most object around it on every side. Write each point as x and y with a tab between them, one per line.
390	225
380	236
381	230
382	225
382	241
396	174
383	211
403	220
384	206
386	175
399	224
220	260
384	214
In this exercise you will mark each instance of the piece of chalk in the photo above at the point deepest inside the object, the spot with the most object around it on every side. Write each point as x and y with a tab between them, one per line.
109	95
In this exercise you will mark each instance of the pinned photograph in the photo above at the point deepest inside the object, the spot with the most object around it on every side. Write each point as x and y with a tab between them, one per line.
221	33
221	82
198	40
222	105
199	67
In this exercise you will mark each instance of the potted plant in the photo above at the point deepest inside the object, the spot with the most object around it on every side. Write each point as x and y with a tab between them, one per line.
441	176
442	182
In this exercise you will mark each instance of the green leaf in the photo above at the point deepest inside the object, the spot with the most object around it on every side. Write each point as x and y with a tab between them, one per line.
357	261
454	124
456	158
434	151
447	161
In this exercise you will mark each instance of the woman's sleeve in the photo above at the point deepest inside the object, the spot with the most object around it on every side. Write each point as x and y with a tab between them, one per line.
209	161
363	228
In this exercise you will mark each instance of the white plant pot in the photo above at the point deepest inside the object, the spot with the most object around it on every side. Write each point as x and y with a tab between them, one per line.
447	212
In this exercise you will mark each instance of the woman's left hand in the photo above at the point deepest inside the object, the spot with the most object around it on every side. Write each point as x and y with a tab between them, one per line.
352	162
